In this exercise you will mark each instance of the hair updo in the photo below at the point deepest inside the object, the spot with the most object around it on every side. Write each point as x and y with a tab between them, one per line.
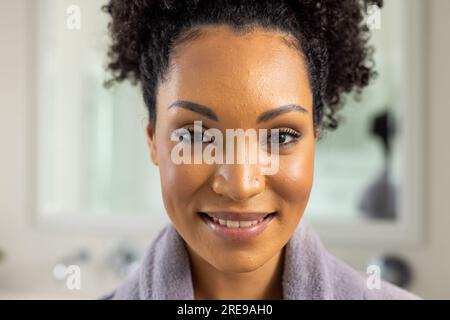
332	36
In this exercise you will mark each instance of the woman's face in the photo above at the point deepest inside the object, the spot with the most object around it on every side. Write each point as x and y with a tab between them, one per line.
240	82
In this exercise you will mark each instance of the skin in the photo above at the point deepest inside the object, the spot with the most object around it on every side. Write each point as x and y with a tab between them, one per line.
238	76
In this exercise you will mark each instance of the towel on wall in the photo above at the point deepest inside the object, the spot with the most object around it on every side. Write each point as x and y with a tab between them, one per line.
310	272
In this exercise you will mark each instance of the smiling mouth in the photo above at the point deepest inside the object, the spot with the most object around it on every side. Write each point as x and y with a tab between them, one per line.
236	220
237	227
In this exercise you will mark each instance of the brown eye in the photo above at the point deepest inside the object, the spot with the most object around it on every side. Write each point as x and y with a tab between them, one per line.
284	137
203	136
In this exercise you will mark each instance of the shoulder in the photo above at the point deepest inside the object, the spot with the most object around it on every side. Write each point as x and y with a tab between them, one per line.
138	284
349	283
311	272
127	290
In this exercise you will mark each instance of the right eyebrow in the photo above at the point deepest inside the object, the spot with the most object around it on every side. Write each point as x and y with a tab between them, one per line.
195	107
271	114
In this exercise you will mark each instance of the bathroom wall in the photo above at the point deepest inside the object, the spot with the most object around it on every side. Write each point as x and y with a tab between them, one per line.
30	252
431	260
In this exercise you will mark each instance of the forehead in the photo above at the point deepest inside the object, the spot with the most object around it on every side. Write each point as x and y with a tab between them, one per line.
259	68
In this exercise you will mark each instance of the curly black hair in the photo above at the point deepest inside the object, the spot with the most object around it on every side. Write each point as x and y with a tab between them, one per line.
331	34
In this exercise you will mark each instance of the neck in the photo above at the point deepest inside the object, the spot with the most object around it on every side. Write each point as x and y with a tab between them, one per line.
263	283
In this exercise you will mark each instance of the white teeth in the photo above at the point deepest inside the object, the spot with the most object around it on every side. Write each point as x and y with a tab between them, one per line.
235	223
245	224
232	224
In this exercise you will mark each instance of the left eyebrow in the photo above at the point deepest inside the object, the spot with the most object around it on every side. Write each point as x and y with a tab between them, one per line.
269	115
195	107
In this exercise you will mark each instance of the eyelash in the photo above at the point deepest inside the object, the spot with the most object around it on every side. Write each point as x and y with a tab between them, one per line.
293	133
191	131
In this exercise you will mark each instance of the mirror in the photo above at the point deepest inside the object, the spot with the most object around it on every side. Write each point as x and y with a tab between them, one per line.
357	166
93	164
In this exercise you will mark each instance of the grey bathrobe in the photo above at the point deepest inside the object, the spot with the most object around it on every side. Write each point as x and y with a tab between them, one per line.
310	272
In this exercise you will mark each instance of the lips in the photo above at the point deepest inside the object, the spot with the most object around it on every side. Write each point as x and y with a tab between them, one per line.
237	226
238	216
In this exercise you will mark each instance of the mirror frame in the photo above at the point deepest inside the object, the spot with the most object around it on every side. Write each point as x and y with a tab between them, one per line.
406	229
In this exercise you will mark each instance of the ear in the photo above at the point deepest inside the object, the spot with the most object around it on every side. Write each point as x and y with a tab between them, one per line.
317	134
151	141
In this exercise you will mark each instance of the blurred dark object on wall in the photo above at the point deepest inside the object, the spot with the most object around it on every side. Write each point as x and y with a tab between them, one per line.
379	199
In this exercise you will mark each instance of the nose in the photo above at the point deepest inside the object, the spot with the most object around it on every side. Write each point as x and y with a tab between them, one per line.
239	182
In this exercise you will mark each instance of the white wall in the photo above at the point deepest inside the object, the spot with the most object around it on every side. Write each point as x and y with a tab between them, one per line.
431	261
31	253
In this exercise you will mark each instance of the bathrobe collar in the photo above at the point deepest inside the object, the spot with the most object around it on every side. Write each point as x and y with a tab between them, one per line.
310	272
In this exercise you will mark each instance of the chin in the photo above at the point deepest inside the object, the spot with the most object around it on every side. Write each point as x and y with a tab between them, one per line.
239	262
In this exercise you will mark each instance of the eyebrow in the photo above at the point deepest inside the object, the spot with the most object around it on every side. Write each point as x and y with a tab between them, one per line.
195	107
209	113
269	115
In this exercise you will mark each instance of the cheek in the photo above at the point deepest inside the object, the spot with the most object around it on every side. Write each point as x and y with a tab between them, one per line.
294	180
180	183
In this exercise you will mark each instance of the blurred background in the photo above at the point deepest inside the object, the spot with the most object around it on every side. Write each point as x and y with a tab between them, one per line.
80	200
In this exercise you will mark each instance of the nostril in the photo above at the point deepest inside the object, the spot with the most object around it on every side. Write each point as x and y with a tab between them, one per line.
237	181
217	184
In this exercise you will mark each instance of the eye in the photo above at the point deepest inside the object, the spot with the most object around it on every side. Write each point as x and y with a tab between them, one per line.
203	136
284	137
190	135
